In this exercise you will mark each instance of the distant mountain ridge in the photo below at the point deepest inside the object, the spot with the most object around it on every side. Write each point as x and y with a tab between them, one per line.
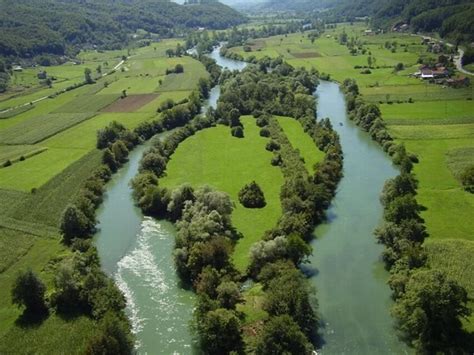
33	27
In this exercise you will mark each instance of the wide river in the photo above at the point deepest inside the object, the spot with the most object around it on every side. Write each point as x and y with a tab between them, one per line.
354	299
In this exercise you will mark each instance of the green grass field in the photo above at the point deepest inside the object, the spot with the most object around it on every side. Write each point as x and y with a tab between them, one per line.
15	152
36	129
301	141
213	157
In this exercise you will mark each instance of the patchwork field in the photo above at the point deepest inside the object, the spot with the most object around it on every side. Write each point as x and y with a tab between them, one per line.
52	147
216	158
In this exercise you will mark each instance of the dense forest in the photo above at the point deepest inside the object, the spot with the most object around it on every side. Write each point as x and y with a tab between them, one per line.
34	27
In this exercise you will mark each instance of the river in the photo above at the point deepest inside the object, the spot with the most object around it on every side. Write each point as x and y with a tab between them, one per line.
354	299
137	252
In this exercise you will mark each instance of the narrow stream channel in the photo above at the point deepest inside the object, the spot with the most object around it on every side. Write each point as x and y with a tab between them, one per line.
354	299
353	296
137	252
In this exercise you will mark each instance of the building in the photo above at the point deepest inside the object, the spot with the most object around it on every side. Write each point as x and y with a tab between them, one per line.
17	68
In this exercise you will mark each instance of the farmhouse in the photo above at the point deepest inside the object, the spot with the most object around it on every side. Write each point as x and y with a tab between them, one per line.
369	33
17	68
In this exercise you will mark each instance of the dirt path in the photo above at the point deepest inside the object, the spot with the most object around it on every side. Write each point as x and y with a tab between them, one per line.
458	63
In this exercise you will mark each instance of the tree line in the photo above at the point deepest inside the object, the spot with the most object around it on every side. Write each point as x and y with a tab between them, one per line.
428	305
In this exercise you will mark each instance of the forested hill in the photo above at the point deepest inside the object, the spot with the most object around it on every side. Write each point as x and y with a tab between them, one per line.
32	27
298	6
453	19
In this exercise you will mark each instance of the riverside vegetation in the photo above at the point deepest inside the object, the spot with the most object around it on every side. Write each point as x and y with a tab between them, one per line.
207	245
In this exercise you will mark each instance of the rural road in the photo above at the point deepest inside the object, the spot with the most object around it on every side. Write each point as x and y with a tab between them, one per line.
458	63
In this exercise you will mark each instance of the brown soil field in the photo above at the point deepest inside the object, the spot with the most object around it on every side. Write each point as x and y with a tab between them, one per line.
131	103
306	55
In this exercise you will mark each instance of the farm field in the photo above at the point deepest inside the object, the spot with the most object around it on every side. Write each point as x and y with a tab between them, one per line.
214	157
57	138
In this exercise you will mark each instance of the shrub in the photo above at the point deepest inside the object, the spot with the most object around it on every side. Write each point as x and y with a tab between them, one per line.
264	132
467	178
251	196
237	131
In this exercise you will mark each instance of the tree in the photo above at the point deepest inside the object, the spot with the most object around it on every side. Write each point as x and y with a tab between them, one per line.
251	196
113	337
429	312
281	335
28	291
220	332
369	61
178	69
228	294
74	224
298	250
108	158
170	52
88	76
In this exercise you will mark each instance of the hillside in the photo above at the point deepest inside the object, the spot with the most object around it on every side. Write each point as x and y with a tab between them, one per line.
34	27
453	19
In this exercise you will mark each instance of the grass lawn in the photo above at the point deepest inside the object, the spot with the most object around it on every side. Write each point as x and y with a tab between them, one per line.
301	141
215	158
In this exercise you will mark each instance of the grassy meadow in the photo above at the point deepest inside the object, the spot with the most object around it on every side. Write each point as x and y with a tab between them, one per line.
438	126
214	157
52	147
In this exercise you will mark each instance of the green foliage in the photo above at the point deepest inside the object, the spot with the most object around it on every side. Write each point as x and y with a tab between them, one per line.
251	196
281	335
220	332
54	27
29	291
74	224
430	310
467	178
113	337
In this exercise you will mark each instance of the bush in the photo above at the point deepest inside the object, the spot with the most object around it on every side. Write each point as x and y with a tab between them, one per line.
272	146
7	163
467	178
251	196
264	132
237	131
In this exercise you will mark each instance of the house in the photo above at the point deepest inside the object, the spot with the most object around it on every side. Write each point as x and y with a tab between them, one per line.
17	68
427	74
369	33
440	72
